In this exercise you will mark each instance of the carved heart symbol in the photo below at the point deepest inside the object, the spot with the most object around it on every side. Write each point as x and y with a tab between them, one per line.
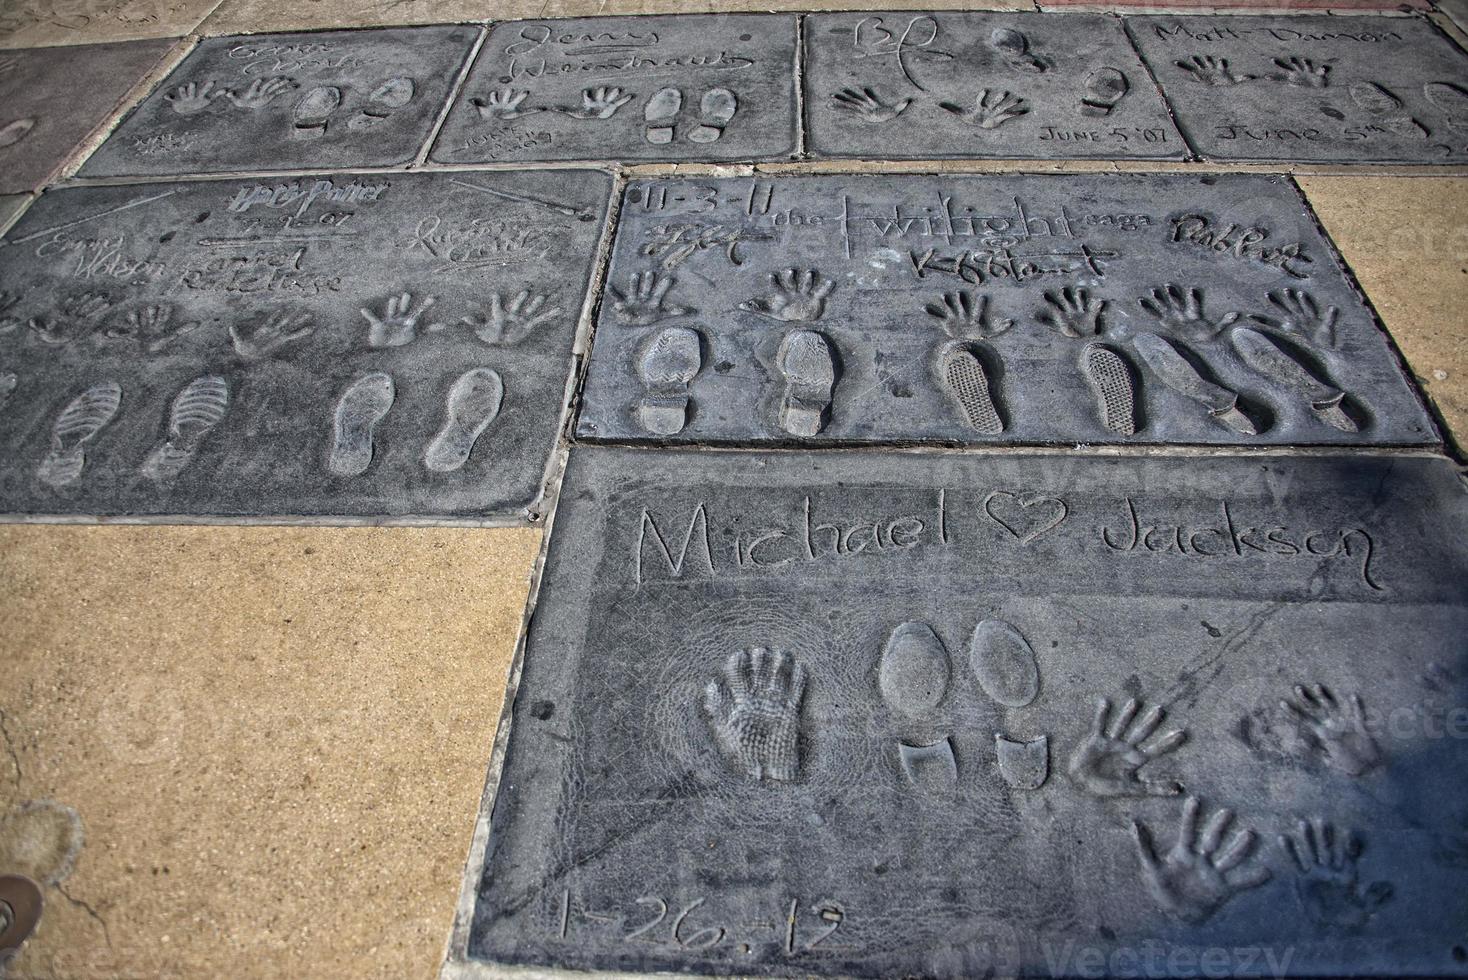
1020	516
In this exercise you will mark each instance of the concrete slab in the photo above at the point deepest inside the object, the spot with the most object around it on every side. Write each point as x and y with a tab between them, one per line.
825	715
38	23
1337	89
938	86
291	102
55	98
371	346
1093	308
261	734
1405	239
706	88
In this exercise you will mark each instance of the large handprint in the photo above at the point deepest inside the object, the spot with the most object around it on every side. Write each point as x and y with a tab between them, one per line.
597	103
508	323
754	713
398	323
1108	761
1199	873
260	92
192	98
990	109
1339	730
796	296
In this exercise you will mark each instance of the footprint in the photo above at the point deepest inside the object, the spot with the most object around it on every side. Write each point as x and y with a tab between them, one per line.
1024	765
13	132
1015	48
314	110
78	424
473	403
809	367
717	107
1373	98
1450	99
667	366
1004	663
1105	87
912	675
1174	370
968	385
660	112
1275	363
1111	381
387	98
929	767
197	409
358	411
1379	102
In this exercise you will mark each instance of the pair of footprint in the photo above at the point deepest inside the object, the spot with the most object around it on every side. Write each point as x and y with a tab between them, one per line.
716	111
967	381
671	359
312	115
913	678
473	402
1264	355
196	410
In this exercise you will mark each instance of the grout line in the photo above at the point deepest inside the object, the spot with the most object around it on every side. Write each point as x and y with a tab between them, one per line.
454	91
1192	150
129	103
802	124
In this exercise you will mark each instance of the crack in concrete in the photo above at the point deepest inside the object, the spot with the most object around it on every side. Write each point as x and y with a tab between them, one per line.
10	749
87	907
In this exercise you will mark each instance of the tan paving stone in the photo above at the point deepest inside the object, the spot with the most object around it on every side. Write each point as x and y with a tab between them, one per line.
1407	241
251	16
38	23
275	740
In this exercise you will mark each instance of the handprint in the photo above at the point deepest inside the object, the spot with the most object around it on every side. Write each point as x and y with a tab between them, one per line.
990	109
797	296
398	324
77	313
1302	72
1301	316
865	103
261	91
1212	71
152	326
509	323
754	713
1108	761
503	103
597	103
646	300
1197	876
271	334
1073	312
964	316
1339	731
1181	310
1328	883
192	98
